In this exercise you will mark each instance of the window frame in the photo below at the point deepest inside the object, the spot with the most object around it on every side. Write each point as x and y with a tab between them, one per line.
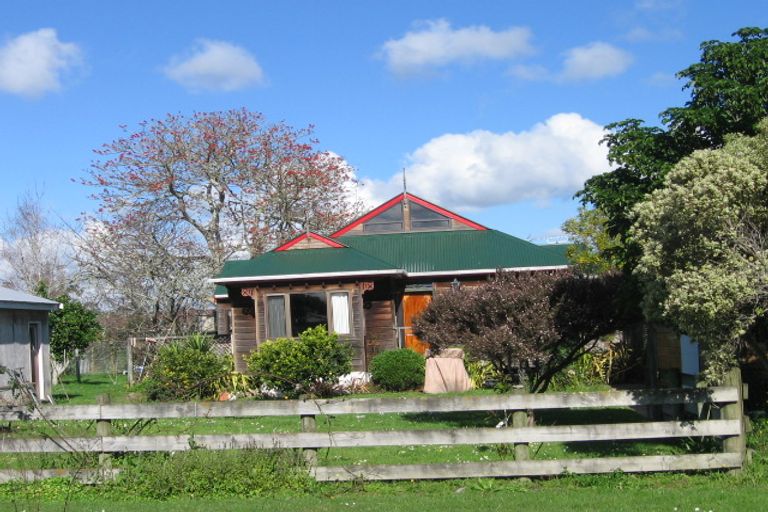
329	311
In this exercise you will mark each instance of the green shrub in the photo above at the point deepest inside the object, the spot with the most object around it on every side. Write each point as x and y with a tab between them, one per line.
482	374
311	364
204	473
186	370
398	370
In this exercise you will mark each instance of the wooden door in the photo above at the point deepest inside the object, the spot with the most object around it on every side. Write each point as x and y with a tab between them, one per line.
413	305
34	356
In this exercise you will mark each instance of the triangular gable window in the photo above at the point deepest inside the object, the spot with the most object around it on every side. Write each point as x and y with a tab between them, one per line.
423	218
388	221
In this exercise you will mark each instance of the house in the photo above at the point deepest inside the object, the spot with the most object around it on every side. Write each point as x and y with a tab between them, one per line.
367	281
24	340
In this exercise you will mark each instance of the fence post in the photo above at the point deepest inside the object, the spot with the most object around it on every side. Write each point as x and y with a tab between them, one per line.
735	411
104	429
520	420
309	424
129	360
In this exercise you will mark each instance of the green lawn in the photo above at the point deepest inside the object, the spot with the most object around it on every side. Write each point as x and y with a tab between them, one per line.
682	494
69	391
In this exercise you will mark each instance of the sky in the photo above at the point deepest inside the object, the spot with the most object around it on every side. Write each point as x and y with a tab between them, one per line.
493	108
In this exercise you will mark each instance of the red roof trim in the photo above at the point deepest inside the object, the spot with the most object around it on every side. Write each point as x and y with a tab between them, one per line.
320	238
368	216
399	198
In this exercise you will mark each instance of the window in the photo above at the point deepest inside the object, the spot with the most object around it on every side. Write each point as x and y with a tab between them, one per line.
276	316
296	312
340	312
424	218
388	221
307	310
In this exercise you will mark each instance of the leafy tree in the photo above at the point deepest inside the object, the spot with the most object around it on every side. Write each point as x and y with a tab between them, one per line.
704	240
73	327
729	94
529	326
590	242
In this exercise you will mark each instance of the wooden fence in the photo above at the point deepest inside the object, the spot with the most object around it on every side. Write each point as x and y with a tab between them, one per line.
729	426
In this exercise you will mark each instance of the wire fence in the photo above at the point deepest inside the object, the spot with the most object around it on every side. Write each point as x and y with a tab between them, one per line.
133	356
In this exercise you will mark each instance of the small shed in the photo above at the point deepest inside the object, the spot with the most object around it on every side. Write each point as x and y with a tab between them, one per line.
24	340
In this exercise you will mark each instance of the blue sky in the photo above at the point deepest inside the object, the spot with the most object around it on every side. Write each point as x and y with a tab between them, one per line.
494	108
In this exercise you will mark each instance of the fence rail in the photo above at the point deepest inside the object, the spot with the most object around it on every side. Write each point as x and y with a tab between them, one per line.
430	404
730	427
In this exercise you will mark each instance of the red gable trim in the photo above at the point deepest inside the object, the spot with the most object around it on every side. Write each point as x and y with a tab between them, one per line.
368	216
399	198
314	236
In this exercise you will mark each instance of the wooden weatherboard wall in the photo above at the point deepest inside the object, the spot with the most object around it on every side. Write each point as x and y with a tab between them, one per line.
249	323
380	328
731	428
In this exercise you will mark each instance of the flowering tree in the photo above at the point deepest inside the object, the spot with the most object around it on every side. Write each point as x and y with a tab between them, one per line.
237	181
704	240
182	195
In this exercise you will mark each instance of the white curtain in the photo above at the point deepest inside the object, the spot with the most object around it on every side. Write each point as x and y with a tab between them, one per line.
340	312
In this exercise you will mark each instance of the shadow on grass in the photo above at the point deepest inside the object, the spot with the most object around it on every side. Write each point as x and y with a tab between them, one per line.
457	419
64	396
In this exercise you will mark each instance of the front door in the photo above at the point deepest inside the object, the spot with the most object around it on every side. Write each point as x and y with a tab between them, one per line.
413	305
35	358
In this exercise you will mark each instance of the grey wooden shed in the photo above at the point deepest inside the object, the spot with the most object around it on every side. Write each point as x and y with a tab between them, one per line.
24	340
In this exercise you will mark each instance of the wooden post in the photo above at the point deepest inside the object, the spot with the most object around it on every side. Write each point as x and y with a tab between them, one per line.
735	411
520	420
309	424
129	360
104	429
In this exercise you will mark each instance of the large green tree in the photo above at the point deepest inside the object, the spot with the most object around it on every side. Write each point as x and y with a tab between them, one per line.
704	242
729	94
73	328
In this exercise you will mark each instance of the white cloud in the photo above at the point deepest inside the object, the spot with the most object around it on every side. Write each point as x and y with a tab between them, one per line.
482	168
658	5
593	61
645	35
438	44
661	79
215	66
530	72
32	64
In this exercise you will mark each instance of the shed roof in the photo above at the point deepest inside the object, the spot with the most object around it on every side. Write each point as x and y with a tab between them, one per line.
14	299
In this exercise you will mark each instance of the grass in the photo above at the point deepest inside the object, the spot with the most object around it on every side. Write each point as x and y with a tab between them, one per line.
71	392
615	492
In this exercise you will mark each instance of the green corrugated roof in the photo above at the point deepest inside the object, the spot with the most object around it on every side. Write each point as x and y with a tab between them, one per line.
559	249
304	261
438	251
